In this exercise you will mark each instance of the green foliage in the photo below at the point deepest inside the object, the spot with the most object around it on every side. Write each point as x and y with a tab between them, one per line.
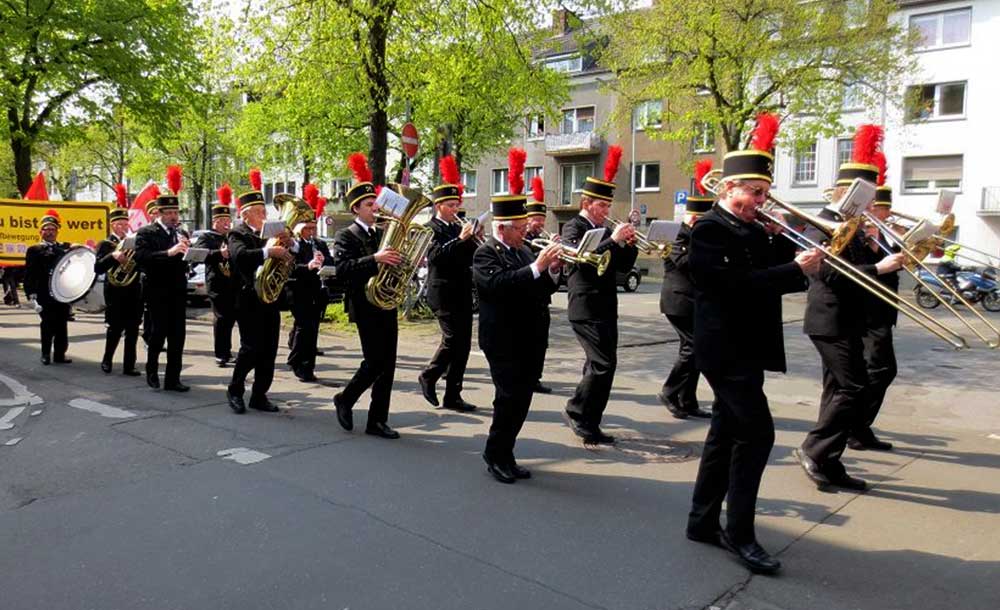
722	62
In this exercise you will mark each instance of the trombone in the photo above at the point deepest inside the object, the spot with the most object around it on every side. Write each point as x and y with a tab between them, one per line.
642	242
569	254
941	239
839	235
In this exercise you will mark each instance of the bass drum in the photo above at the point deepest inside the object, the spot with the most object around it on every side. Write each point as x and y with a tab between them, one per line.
73	275
93	301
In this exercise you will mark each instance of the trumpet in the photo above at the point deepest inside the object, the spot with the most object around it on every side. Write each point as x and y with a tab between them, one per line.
569	254
477	230
643	243
839	235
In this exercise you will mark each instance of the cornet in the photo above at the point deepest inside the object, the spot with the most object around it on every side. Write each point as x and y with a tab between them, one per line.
569	254
642	242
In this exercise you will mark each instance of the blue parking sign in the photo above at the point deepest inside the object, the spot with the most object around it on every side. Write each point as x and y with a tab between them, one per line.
680	197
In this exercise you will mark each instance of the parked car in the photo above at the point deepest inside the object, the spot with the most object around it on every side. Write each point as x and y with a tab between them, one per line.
197	292
628	280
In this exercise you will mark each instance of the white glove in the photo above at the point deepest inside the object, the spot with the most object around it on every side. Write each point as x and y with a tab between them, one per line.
36	306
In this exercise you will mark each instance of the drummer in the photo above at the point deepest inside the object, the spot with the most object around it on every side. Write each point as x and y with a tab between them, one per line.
39	262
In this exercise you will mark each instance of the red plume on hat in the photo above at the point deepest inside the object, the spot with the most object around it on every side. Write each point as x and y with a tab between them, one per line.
701	169
320	206
867	141
225	193
612	162
516	158
52	212
878	160
311	194
37	190
121	195
358	164
450	173
764	132
174	178
255	179
537	189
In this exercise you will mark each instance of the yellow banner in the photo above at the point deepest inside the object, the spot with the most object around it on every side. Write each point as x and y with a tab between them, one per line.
82	222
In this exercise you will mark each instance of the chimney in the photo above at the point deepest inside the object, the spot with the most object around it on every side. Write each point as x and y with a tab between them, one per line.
560	22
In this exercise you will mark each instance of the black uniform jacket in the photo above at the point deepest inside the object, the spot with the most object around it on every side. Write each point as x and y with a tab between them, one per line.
739	273
304	287
512	303
218	283
449	269
594	297
877	312
165	277
39	261
677	292
354	256
246	255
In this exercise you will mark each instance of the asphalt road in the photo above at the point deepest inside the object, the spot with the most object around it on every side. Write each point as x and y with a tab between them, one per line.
116	496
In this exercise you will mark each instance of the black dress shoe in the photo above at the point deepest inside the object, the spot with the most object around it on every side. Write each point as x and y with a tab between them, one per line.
62	360
221	362
753	556
519	472
236	401
175	386
153	380
381	430
578	428
596	436
698	412
263	404
541	388
714	538
672	406
811	469
427	388
106	367
131	373
870	444
46	360
320	352
459	405
344	414
842	479
499	471
307	376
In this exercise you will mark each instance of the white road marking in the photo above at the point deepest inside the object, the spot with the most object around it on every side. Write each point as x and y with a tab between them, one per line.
242	455
13	441
995	437
35	413
101	409
6	422
21	394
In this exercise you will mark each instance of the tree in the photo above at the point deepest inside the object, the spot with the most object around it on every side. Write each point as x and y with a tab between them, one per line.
61	59
718	63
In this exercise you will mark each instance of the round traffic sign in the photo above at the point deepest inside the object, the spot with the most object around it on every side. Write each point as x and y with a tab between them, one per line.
411	140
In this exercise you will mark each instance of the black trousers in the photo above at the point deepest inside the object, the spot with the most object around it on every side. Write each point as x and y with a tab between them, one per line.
11	277
122	316
880	361
304	335
223	320
452	355
513	383
541	336
738	444
54	328
681	385
844	400
379	334
167	325
599	339
259	326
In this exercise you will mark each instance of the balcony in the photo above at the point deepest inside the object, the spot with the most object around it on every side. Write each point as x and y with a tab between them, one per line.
569	144
990	204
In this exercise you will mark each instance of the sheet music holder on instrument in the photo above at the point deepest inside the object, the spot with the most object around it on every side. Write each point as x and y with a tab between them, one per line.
272	228
392	202
590	240
663	231
857	198
128	243
946	201
327	271
196	255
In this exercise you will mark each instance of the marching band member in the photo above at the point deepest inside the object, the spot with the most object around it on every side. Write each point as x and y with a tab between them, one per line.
39	261
159	250
835	322
153	213
219	281
259	322
357	255
740	273
306	295
124	303
514	290
679	392
593	302
536	228
449	290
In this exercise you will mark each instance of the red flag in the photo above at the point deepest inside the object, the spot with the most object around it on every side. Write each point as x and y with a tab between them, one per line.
137	217
37	190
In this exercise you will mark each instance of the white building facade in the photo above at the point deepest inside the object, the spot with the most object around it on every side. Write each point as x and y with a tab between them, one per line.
947	138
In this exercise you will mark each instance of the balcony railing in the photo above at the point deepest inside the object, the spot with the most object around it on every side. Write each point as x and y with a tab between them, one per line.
990	204
565	144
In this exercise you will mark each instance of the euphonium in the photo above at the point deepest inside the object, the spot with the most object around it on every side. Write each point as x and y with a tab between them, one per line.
271	276
387	289
125	273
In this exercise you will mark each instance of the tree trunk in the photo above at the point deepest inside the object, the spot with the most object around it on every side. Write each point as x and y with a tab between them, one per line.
378	91
22	163
306	171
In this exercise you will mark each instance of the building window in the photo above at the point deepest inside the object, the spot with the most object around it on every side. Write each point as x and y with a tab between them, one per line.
647	177
704	139
469	182
536	127
942	30
529	174
937	101
805	165
573	178
500	185
565	64
845	150
852	97
925	174
648	115
578	120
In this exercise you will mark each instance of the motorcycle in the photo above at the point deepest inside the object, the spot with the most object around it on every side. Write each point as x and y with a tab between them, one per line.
974	286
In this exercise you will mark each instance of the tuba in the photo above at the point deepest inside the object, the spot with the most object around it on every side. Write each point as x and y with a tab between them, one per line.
387	289
125	273
270	278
